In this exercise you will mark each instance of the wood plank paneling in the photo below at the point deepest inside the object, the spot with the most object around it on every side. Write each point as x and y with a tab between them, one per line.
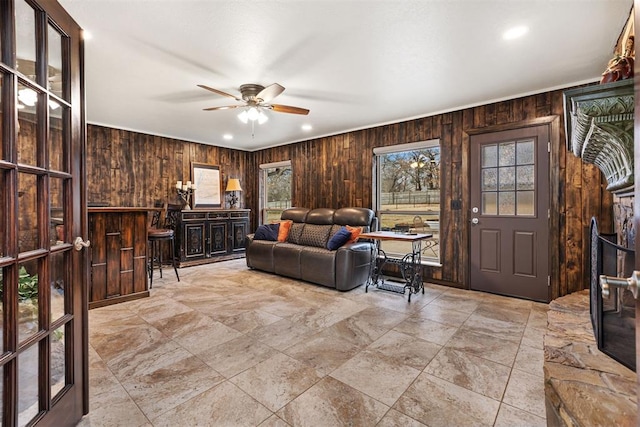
576	189
134	169
336	171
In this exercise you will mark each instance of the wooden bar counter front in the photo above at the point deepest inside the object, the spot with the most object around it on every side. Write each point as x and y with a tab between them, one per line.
118	255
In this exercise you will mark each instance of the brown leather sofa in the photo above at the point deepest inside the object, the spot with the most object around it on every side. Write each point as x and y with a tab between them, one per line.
305	255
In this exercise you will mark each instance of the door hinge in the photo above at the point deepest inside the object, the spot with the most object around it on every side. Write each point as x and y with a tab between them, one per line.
549	147
548	281
548	213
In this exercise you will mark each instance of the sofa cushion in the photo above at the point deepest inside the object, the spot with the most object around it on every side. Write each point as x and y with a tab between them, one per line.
295	214
355	217
267	232
295	233
320	216
339	239
318	266
315	235
260	255
286	259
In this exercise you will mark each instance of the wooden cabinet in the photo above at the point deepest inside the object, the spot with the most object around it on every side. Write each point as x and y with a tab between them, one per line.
118	255
204	236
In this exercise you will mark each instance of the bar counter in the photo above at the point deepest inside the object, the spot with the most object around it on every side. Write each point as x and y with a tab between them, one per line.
118	254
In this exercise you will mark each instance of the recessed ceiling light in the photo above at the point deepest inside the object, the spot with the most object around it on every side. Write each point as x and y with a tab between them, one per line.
86	35
307	127
515	32
227	136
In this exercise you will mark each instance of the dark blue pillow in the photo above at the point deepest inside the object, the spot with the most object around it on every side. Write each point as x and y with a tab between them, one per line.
340	238
267	232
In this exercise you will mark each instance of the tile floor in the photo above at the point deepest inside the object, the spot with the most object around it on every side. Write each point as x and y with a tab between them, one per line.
229	346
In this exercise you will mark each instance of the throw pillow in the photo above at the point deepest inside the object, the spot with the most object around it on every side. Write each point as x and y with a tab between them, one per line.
355	232
267	232
283	232
340	238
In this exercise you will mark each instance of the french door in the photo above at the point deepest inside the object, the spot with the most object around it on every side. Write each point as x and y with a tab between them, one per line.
509	215
42	276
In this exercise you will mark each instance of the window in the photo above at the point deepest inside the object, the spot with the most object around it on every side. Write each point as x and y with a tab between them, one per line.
508	178
275	190
407	195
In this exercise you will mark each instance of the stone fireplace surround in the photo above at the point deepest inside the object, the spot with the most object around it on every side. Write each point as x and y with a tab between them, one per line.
583	386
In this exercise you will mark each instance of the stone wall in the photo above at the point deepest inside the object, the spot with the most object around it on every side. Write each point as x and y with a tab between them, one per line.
583	386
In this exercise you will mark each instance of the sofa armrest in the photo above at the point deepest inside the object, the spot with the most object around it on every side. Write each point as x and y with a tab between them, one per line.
357	246
353	262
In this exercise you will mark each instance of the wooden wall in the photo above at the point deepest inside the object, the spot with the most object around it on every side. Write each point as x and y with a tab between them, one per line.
134	169
343	164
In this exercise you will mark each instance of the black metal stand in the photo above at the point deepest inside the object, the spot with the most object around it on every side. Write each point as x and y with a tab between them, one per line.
410	267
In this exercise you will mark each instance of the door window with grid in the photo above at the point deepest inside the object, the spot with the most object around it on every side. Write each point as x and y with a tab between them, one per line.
508	178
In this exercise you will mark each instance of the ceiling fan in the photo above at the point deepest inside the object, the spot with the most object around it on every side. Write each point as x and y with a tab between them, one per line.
255	97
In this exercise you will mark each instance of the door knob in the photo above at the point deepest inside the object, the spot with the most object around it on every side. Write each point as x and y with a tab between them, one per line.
630	283
474	221
78	244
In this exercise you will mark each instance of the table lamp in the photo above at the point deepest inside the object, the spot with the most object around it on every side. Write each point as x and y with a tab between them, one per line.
233	185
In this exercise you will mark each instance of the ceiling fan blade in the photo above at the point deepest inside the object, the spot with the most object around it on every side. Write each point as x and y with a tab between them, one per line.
288	109
270	92
219	92
225	107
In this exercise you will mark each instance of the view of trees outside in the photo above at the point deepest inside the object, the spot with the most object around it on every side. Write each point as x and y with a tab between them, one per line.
409	198
277	191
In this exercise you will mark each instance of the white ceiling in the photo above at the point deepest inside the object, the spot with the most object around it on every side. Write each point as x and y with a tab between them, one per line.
354	64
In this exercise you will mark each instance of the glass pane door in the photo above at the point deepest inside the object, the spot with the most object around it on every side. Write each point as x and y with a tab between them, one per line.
41	278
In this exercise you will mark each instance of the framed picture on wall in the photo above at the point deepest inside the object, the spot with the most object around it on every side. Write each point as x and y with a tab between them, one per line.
208	192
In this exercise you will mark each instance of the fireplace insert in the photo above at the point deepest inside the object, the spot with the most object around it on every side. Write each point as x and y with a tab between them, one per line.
613	318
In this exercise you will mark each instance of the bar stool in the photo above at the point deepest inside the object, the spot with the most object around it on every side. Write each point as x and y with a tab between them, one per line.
156	235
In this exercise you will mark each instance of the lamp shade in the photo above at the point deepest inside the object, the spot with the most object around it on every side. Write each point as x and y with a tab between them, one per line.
233	184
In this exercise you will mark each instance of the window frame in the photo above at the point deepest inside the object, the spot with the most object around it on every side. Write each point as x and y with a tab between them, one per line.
263	202
377	197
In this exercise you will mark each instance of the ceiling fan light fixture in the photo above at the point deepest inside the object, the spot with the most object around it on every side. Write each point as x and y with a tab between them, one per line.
253	114
256	99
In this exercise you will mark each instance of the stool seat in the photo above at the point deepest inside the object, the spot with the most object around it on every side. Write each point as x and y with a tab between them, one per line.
159	233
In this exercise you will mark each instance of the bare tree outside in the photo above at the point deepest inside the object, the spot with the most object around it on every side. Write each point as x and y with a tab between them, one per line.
277	189
410	179
409	195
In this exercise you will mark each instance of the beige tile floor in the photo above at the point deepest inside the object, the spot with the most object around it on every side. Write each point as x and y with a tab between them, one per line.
228	346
